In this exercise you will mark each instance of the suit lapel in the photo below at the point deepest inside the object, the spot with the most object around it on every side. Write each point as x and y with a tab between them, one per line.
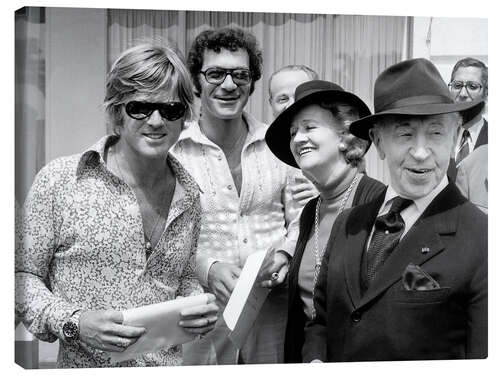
358	227
422	242
482	138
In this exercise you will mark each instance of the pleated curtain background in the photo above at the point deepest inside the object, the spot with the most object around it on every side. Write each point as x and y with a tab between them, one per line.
346	49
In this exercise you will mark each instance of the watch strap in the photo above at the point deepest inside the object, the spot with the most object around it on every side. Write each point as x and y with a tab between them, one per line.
71	328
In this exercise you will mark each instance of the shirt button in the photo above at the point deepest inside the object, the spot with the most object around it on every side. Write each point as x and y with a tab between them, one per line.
229	187
245	240
219	157
356	316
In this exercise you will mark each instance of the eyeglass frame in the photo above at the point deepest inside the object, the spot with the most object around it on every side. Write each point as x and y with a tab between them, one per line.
464	84
226	73
156	107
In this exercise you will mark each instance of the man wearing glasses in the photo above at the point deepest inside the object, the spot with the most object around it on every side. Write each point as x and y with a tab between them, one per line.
469	169
469	81
247	203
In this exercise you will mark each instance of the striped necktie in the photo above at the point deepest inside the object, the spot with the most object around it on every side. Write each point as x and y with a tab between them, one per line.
463	151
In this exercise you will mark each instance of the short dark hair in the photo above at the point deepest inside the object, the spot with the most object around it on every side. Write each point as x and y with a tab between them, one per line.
470	61
230	38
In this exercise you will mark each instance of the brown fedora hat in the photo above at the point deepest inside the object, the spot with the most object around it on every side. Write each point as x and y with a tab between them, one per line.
411	87
310	92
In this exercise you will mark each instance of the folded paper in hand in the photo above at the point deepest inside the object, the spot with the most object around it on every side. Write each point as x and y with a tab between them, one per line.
161	321
246	300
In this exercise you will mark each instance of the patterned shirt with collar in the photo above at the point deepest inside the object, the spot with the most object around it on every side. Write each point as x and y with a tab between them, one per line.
233	226
81	246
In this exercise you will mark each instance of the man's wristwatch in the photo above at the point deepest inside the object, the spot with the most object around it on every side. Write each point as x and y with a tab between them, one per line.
71	328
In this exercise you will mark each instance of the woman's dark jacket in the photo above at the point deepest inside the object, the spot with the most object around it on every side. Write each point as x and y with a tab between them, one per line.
368	189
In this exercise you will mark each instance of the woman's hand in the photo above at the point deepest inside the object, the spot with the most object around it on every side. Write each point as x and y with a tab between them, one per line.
274	269
104	330
200	320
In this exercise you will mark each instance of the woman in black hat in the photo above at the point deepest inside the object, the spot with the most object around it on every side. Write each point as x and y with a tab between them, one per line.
312	134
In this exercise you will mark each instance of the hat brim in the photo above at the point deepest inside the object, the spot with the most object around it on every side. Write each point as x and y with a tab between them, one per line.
278	133
361	128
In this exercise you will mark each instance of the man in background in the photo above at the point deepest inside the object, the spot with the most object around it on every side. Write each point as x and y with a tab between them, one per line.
282	85
469	81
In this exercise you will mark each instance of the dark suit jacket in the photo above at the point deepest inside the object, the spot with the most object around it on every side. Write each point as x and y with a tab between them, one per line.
367	190
389	322
482	139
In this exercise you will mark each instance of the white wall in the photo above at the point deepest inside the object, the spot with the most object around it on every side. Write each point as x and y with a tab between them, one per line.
76	72
444	41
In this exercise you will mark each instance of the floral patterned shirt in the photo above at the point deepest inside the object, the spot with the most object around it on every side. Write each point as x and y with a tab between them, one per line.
81	247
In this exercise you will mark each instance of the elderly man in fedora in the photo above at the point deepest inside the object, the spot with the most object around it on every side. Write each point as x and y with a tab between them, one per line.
405	276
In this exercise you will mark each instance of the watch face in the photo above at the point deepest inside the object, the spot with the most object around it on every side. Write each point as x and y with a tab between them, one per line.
70	331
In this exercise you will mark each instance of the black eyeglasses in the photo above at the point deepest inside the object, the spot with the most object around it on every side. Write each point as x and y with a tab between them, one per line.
218	75
470	86
170	111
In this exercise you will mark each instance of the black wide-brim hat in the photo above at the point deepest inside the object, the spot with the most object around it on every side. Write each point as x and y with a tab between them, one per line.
412	87
310	92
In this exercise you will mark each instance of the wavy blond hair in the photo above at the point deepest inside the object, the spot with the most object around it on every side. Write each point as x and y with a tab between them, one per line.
147	68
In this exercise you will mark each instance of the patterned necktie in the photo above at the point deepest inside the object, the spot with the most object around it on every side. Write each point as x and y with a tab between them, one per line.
388	231
463	151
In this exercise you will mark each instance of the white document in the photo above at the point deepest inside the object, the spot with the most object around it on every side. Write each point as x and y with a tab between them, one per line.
161	321
246	300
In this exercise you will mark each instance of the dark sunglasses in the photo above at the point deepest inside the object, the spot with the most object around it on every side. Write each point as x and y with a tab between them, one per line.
170	111
218	75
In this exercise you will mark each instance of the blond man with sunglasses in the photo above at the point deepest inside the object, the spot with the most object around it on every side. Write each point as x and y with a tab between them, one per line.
116	227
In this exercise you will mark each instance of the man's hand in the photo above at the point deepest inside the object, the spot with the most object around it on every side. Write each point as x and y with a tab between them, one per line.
200	319
274	268
104	330
303	190
222	278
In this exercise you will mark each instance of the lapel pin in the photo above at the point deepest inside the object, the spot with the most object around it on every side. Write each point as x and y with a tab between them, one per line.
425	250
